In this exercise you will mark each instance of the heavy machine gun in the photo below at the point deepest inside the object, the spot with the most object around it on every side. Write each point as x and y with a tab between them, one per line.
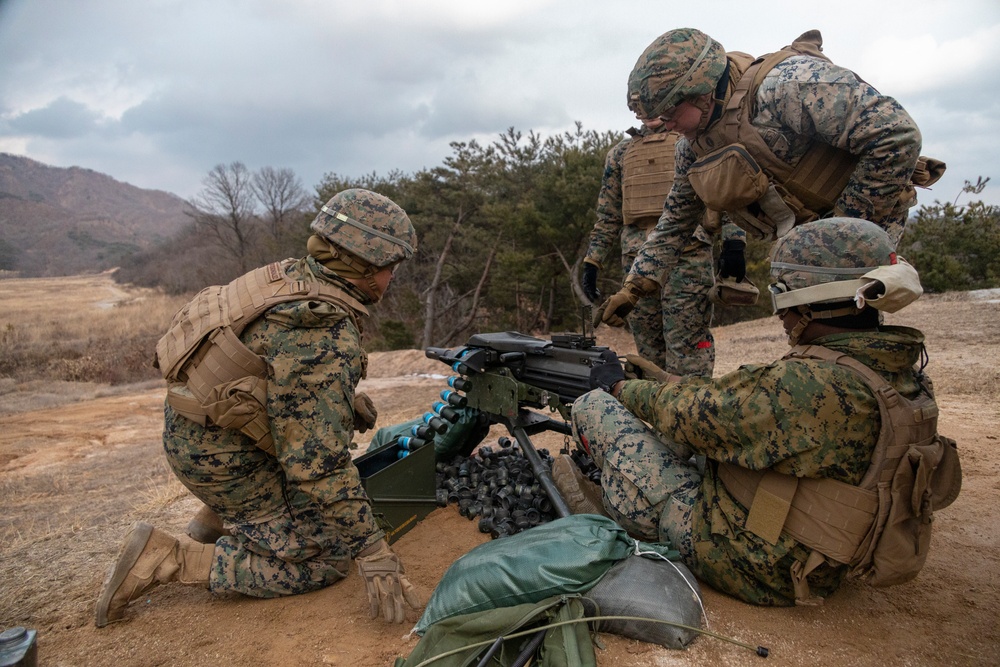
508	376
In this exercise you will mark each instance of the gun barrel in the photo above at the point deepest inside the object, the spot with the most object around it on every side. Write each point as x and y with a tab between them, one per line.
439	354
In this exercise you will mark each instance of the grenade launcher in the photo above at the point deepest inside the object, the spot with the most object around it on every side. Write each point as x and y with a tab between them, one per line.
504	375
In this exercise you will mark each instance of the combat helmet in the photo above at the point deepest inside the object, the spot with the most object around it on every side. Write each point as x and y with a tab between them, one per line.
678	64
838	268
367	225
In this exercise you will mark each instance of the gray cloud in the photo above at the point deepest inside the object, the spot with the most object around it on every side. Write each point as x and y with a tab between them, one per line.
60	119
157	93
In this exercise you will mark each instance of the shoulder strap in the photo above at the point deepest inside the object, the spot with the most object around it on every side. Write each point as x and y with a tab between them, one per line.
236	305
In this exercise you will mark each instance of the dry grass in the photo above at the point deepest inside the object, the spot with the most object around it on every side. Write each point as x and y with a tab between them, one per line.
80	329
73	479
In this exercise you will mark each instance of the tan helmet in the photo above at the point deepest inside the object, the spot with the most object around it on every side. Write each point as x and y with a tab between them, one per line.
368	225
678	64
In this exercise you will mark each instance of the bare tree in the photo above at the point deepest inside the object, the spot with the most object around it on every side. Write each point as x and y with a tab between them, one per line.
225	209
282	197
430	305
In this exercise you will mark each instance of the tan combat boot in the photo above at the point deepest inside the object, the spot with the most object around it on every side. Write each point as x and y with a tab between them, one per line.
581	495
148	558
206	526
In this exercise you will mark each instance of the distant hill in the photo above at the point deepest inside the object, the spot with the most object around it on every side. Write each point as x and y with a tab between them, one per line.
56	221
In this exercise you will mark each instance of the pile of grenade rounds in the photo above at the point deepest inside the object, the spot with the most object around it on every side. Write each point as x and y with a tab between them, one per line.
496	487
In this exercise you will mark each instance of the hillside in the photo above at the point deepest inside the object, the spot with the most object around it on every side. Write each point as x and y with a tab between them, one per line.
62	221
74	474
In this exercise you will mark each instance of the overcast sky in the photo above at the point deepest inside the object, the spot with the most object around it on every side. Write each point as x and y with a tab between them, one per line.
157	92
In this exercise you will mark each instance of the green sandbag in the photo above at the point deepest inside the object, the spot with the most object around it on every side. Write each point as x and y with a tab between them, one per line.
567	645
459	440
568	555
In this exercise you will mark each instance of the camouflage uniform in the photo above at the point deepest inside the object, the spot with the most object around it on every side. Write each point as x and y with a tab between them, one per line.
802	417
805	99
298	518
672	328
260	412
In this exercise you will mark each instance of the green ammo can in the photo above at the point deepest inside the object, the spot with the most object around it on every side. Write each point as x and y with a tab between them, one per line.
402	489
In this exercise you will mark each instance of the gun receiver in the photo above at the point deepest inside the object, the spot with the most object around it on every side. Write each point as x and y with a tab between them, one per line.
504	374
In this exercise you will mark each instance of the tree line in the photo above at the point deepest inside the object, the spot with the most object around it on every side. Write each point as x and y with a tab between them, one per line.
503	228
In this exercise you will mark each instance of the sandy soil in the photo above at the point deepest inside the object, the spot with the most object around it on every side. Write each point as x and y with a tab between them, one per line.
73	478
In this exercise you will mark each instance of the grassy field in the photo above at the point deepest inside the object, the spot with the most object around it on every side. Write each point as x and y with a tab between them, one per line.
80	329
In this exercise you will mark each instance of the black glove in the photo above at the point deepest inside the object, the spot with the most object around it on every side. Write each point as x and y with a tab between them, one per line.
589	283
607	374
732	262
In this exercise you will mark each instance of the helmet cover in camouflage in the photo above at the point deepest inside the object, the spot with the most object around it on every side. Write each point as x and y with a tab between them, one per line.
830	250
367	225
678	64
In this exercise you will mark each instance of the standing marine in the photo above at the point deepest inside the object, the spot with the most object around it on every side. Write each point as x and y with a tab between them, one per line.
671	327
771	142
260	412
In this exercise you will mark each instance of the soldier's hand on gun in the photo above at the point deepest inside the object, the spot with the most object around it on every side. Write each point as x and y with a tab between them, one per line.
386	583
365	413
607	374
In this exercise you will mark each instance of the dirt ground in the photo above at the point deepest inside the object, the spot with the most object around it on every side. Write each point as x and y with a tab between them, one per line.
74	478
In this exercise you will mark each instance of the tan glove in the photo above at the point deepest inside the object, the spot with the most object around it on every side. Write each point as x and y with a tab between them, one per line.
365	413
617	307
386	583
643	369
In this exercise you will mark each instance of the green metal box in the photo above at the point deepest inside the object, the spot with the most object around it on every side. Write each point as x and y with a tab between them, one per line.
402	490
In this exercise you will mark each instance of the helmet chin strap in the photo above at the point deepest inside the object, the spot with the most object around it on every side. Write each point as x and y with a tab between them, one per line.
704	104
373	289
805	317
808	315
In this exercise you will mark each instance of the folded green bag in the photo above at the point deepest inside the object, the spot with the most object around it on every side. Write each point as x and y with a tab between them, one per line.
471	636
565	556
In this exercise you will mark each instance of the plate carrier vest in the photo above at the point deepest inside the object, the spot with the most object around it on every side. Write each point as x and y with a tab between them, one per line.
799	194
881	528
212	377
647	175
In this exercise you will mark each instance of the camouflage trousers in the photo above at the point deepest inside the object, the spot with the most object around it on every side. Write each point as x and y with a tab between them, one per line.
649	486
280	545
672	328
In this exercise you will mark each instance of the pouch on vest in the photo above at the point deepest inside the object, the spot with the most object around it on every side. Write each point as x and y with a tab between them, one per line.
728	178
730	292
928	171
904	536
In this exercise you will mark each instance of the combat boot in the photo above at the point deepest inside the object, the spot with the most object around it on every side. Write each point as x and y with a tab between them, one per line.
148	558
581	495
206	526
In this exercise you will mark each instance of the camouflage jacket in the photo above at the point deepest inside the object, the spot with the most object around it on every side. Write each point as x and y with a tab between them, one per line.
315	361
801	417
804	99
